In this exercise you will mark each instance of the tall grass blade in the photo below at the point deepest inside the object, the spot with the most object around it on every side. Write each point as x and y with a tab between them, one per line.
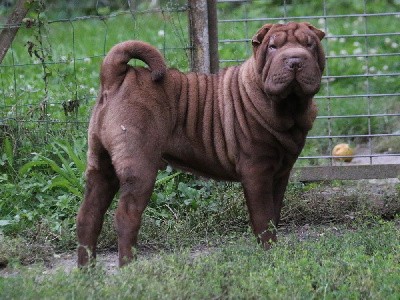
8	151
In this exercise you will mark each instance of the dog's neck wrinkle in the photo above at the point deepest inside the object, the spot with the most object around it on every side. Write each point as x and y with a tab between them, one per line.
264	110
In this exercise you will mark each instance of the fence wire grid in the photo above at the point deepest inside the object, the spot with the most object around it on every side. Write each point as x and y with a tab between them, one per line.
49	78
359	101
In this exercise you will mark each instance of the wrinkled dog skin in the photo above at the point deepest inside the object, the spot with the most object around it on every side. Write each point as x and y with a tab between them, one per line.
248	123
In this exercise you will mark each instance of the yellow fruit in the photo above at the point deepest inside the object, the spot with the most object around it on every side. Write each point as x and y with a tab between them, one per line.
341	150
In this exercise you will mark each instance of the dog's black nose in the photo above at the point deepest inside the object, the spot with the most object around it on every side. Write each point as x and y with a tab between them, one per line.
294	63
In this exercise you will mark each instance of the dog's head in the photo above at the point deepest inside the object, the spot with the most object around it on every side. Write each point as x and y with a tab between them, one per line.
289	58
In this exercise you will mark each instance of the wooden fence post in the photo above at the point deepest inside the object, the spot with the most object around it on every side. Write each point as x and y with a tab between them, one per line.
9	32
203	35
213	35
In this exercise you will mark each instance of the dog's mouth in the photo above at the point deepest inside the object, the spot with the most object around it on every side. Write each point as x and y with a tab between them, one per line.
296	82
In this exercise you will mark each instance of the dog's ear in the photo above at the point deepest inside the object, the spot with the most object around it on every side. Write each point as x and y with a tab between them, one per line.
259	36
320	34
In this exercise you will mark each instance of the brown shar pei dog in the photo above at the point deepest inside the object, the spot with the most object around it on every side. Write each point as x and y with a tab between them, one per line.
248	123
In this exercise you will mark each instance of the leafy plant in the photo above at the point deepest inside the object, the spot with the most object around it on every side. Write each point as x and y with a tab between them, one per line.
45	191
177	193
68	166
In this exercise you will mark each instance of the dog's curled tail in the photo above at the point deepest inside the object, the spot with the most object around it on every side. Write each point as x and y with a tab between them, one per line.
115	64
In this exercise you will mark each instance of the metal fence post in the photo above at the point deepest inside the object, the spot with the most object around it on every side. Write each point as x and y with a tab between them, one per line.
203	35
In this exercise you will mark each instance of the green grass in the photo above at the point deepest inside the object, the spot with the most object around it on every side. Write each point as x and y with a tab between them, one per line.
360	264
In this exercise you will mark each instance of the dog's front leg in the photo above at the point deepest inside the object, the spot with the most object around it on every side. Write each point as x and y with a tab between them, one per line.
258	190
279	187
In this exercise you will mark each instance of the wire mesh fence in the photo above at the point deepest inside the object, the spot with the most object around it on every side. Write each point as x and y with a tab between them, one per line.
49	77
359	101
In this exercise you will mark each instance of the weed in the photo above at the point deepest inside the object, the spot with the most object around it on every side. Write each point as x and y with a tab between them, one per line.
68	166
27	200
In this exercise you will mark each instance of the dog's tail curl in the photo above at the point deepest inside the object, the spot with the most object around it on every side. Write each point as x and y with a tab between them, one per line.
115	64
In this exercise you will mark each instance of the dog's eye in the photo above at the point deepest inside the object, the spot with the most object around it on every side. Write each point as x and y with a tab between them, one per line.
272	47
310	43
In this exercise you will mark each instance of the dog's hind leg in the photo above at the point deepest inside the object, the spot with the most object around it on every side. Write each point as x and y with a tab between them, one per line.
137	177
101	186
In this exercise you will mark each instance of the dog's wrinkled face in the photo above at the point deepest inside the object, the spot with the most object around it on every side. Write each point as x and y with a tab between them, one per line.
289	58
